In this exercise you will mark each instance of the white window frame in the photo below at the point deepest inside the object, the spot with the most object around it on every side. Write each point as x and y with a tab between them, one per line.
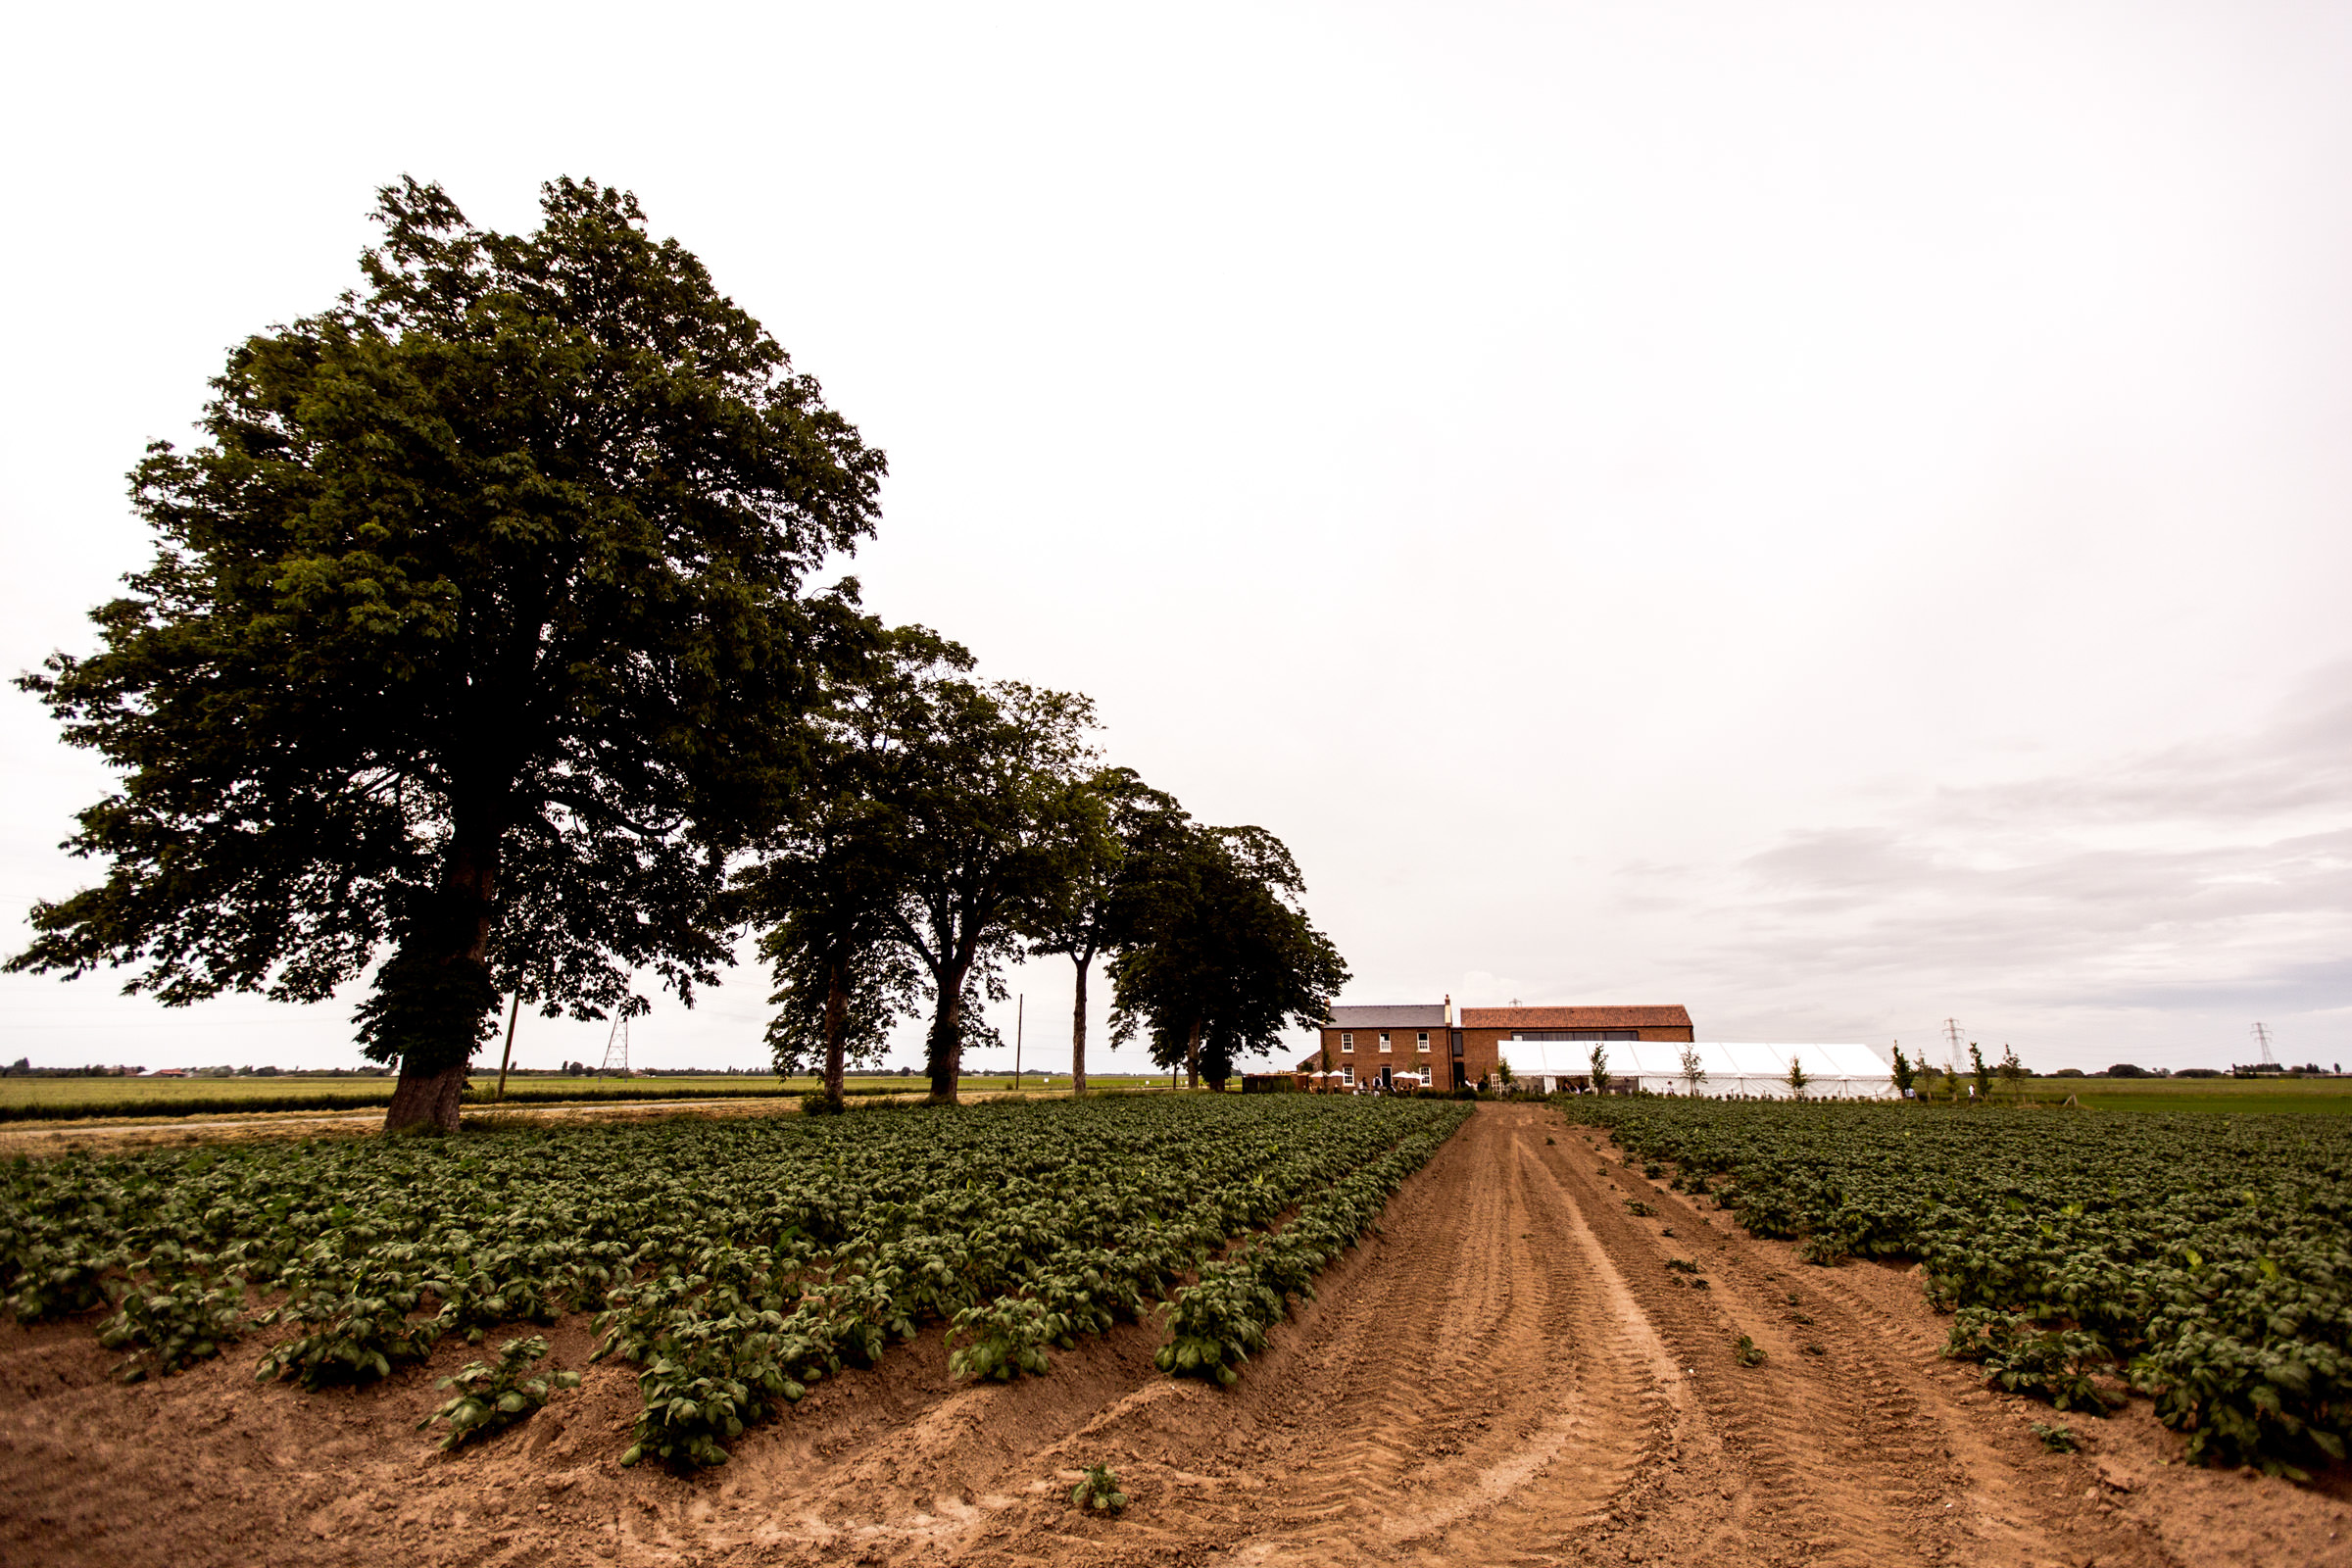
1347	1074
1421	1042
1384	1040
1347	1041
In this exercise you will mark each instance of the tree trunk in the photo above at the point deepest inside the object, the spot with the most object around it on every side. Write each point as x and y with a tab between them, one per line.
435	991
1192	1058
427	1099
837	1013
1078	1029
944	1049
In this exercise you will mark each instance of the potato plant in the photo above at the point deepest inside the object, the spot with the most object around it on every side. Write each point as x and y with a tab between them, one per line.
2205	1259
493	1395
734	1264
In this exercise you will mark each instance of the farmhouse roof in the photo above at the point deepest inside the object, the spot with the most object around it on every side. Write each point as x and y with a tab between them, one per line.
1637	1017
1406	1015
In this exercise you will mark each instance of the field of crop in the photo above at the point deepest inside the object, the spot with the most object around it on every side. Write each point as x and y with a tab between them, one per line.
1536	1354
735	1262
2208	1259
2256	1097
65	1099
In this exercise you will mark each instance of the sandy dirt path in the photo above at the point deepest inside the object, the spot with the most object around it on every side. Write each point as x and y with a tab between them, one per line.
1508	1374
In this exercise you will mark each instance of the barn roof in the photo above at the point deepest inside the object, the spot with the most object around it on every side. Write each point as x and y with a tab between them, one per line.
1629	1017
1404	1015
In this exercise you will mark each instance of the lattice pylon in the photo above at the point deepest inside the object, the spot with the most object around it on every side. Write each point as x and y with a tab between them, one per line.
616	1048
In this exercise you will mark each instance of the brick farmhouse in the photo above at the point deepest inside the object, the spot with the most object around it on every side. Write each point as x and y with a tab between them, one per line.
1438	1048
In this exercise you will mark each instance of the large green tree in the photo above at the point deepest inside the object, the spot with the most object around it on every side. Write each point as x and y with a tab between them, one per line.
826	887
983	808
478	630
1223	958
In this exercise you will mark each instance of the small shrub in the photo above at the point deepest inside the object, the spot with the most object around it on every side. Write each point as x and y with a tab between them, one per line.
352	1338
1009	1335
1099	1492
492	1397
2023	1358
1748	1352
2056	1439
168	1326
1822	1251
1683	1265
1638	1208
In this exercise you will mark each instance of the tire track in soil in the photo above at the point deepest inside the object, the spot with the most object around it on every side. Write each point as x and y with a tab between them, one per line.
1803	1457
1906	1413
1460	1385
1580	1404
1511	1379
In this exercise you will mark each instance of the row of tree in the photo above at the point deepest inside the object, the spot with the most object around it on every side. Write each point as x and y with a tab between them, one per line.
481	634
953	825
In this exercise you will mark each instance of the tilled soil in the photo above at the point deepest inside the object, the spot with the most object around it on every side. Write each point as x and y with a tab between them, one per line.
1508	1374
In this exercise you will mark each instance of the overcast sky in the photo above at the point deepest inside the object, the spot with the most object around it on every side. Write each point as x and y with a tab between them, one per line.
1835	516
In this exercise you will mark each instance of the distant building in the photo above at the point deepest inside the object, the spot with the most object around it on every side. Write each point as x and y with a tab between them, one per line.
1484	1038
1427	1040
1377	1045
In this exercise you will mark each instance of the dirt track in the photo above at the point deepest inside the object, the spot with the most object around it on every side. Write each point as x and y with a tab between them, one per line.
1510	1374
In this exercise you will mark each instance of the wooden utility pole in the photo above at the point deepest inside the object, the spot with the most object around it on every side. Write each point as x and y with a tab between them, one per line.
508	1055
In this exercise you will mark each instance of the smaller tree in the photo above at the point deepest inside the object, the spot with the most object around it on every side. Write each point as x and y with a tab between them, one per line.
2010	1069
1979	1072
1906	1072
1797	1077
1122	830
1223	958
834	1006
1600	1061
1693	1073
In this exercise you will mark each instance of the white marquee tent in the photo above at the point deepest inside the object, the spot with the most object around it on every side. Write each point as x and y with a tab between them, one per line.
1833	1071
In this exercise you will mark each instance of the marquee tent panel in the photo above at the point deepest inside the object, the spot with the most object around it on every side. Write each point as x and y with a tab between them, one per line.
1833	1069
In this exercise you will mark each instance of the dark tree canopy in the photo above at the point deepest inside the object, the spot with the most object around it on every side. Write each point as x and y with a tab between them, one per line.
1223	960
477	627
827	888
986	815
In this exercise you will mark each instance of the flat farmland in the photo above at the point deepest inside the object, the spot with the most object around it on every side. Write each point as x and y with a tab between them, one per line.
2249	1097
1527	1355
55	1098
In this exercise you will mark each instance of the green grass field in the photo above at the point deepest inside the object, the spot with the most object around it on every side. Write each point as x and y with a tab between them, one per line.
47	1098
2328	1097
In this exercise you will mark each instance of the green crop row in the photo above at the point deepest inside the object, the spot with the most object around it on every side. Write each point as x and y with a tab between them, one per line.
2207	1259
1224	1315
734	1262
